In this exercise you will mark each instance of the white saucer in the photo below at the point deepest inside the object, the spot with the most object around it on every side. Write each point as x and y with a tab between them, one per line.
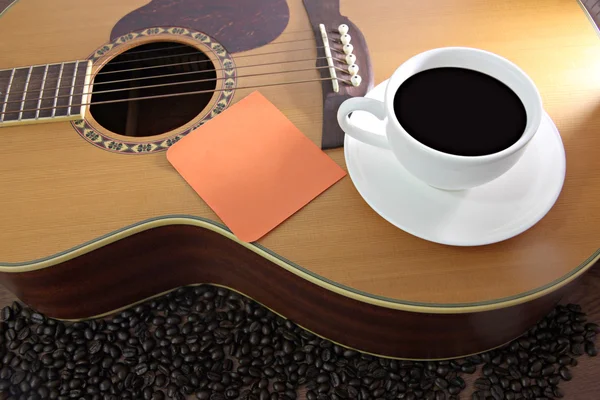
490	213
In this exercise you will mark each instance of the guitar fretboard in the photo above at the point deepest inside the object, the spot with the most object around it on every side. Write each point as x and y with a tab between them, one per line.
44	92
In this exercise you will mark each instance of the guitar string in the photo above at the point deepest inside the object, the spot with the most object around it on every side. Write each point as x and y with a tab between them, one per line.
173	95
183	45
304	31
198	61
235	58
169	84
43	81
175	74
204	61
195	72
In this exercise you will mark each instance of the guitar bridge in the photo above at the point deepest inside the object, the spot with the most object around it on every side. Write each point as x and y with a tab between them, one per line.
339	59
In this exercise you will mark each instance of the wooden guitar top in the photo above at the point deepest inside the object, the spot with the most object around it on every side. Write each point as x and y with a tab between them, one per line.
58	192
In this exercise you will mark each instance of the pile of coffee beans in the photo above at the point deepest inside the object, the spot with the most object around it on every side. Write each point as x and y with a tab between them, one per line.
532	366
206	342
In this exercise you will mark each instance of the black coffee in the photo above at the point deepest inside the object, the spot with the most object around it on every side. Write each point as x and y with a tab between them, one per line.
460	111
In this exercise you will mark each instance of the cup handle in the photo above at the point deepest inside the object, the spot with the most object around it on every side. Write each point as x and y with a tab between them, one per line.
371	106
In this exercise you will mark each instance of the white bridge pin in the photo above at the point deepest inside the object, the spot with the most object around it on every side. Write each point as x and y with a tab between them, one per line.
348	48
353	69
356	80
343	29
350	59
345	39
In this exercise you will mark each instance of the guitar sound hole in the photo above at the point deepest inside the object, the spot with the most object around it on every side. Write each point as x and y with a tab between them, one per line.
158	70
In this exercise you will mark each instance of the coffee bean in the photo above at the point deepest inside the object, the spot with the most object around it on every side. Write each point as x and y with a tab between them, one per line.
482	383
494	379
43	392
5	372
479	395
548	370
487	370
512	359
589	335
4	384
441	383
577	349
37	318
593	327
468	368
536	366
379	373
328	367
161	381
7	314
17	377
590	349
565	373
75	384
341	393
203	395
140	369
335	379
524	343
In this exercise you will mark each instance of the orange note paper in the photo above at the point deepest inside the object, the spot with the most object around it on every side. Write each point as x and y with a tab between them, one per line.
253	167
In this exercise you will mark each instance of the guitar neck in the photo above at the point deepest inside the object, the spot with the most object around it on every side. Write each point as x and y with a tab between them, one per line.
44	93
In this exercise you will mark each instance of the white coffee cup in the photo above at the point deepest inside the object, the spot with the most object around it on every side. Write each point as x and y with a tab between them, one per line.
436	168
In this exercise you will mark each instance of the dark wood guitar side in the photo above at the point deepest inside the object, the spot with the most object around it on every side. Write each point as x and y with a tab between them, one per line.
159	259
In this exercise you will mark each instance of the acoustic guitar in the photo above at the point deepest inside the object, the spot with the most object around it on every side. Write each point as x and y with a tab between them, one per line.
95	219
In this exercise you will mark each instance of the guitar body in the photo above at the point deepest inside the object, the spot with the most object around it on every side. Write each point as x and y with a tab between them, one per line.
93	221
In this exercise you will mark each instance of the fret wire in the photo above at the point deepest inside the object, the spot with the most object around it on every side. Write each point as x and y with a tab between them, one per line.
25	92
5	102
43	86
62	65
45	80
42	65
72	88
86	87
